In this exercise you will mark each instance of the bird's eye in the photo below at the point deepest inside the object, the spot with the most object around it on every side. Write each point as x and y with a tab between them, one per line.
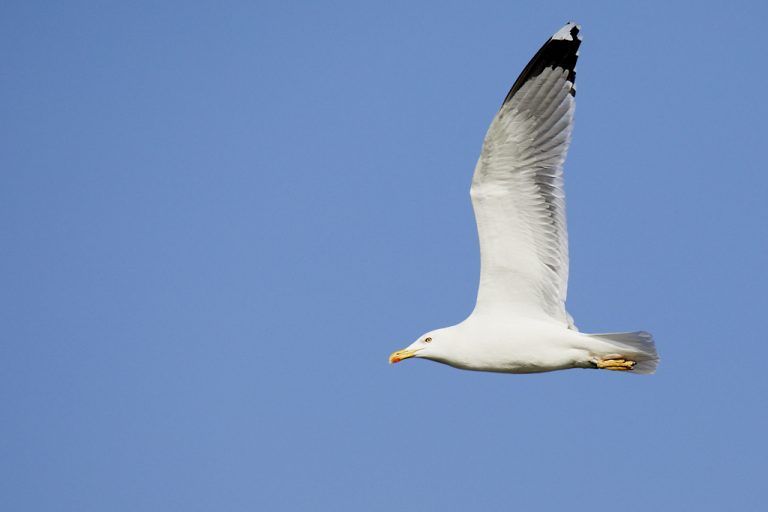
427	340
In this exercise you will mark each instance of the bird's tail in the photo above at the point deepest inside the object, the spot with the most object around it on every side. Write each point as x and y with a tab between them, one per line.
637	346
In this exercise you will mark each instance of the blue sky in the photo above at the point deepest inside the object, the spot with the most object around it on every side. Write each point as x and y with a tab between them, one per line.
219	219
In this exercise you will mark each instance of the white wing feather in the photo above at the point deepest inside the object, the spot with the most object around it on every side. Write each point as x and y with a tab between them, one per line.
518	197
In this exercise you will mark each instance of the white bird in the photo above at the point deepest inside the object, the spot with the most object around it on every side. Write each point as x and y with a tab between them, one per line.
519	324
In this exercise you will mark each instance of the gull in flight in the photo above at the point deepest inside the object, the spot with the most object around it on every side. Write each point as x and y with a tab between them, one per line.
519	324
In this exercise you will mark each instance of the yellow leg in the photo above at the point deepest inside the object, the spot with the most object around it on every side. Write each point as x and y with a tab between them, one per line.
620	365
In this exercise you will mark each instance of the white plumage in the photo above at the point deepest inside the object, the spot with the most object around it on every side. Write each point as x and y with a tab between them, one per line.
519	202
520	324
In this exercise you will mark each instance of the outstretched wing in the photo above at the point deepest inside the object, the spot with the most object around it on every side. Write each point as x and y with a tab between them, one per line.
517	189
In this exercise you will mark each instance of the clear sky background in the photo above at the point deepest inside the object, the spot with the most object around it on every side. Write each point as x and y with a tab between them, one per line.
218	219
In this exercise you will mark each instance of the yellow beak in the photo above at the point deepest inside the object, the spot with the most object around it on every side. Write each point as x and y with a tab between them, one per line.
398	356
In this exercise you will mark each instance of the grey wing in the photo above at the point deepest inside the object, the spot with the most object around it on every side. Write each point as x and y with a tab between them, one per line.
517	189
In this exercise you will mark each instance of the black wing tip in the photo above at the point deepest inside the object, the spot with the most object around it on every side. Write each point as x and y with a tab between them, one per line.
561	50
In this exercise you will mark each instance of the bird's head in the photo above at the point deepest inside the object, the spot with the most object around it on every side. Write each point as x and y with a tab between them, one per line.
429	346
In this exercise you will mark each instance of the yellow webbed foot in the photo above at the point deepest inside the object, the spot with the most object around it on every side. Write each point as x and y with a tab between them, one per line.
620	365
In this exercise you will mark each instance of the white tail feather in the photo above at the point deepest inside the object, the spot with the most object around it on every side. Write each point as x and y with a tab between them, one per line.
637	346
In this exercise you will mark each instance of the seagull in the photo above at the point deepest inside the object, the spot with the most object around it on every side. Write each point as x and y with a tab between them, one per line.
519	323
